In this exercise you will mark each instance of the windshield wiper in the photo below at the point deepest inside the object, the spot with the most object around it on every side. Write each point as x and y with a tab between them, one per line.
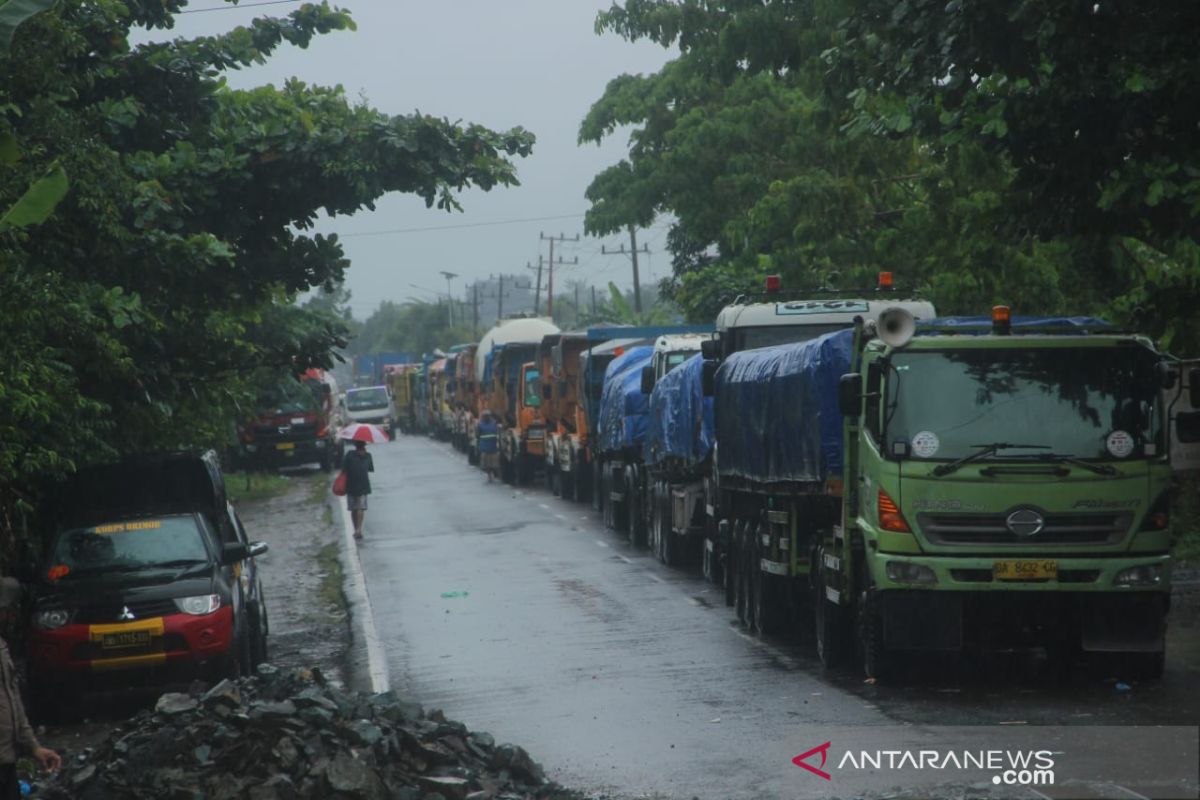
984	451
182	562
1099	469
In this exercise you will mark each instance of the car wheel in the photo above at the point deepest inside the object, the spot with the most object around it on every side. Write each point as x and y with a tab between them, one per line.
258	635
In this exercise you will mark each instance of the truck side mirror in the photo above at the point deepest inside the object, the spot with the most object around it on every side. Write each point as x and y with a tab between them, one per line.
1194	387
708	378
850	395
647	379
710	348
1166	375
234	552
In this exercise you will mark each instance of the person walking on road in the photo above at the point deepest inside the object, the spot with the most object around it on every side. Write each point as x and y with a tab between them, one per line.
16	735
356	465
487	433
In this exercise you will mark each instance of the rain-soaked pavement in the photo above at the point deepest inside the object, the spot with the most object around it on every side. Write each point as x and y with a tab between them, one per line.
519	614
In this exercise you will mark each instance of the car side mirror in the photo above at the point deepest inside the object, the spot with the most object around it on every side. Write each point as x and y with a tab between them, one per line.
710	348
647	379
257	549
233	553
708	378
1194	387
850	395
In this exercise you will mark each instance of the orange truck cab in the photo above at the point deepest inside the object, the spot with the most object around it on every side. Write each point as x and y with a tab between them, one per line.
566	419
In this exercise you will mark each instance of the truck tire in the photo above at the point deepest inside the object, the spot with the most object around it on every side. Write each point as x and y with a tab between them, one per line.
741	593
606	501
830	623
767	611
878	662
596	470
567	489
634	504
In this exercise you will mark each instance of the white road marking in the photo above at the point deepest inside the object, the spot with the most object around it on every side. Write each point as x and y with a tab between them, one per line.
543	505
602	543
655	578
360	602
560	517
623	558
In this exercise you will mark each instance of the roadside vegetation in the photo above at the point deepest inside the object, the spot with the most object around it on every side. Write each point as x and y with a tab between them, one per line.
155	225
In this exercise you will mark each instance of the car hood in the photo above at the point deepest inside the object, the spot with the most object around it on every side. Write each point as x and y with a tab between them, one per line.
126	588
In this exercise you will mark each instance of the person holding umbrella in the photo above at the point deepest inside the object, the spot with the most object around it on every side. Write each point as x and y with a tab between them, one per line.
357	465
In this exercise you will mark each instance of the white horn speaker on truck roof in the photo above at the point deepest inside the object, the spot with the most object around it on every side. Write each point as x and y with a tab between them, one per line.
896	326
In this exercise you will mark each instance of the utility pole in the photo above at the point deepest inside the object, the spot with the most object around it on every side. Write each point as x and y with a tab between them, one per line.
537	292
550	281
633	254
475	310
593	301
449	276
500	299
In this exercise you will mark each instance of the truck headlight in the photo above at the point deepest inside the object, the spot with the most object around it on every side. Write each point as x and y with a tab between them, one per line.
1144	575
904	572
52	618
199	605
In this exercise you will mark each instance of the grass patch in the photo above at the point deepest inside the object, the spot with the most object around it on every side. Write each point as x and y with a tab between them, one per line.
252	486
318	487
330	592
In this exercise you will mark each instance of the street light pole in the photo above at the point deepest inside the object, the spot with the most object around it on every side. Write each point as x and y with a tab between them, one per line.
449	276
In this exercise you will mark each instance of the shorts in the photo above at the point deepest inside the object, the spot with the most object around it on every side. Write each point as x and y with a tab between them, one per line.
356	502
489	460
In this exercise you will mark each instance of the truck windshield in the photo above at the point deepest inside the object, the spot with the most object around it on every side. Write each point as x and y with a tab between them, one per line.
1096	403
772	335
363	399
288	397
130	544
532	399
677	358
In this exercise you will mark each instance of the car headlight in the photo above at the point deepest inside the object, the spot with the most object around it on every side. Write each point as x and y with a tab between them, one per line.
199	605
52	618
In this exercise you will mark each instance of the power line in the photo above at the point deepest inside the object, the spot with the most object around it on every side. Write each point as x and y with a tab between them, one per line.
460	226
237	7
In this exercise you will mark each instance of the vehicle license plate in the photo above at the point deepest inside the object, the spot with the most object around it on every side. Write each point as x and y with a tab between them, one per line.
1036	569
286	446
125	639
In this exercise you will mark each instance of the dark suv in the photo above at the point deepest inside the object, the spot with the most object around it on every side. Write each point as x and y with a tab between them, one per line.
146	575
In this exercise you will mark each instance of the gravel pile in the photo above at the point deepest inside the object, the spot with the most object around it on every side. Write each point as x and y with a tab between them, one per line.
288	735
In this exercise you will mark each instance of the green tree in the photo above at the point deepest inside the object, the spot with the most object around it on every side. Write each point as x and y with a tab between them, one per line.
137	313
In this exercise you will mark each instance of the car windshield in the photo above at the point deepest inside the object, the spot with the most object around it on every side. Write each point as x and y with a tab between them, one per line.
363	399
130	544
1084	402
772	335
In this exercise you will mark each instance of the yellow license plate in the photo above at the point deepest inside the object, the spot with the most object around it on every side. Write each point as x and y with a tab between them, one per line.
286	446
1033	569
125	639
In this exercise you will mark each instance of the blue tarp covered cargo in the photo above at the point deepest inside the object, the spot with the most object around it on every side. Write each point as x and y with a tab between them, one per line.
983	325
623	406
777	410
680	418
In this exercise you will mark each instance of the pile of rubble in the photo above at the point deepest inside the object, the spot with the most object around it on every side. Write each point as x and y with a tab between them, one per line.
292	736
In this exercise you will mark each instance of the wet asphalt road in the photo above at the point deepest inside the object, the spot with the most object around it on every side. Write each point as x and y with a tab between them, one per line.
519	614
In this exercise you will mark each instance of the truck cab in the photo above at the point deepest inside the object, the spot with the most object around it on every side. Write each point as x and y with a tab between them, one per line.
669	352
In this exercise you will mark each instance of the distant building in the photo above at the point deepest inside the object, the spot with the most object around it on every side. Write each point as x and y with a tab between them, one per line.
500	296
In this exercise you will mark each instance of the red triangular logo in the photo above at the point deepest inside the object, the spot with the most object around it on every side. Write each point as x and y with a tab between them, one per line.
823	749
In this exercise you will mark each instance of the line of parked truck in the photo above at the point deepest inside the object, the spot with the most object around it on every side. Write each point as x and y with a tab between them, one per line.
853	465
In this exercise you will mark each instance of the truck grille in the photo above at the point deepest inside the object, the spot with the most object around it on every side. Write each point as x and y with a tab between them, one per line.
992	529
285	433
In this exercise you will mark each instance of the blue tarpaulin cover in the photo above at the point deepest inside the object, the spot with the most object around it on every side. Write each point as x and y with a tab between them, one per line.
680	420
623	406
983	325
777	410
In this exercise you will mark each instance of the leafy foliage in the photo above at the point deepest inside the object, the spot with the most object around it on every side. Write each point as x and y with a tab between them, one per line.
1039	154
141	313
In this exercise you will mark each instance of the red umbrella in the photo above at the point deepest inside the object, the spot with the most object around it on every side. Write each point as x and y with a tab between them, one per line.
361	432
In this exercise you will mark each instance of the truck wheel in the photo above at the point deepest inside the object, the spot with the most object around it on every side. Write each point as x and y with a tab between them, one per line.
829	619
258	635
728	564
604	496
878	662
766	598
567	488
740	587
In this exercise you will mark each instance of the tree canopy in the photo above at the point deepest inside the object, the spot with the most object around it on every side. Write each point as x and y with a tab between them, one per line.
1041	154
134	315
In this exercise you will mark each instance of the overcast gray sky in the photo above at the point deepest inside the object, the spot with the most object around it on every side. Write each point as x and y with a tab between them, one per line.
535	63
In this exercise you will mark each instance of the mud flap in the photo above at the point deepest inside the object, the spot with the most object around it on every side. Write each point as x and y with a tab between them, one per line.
921	620
1134	623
